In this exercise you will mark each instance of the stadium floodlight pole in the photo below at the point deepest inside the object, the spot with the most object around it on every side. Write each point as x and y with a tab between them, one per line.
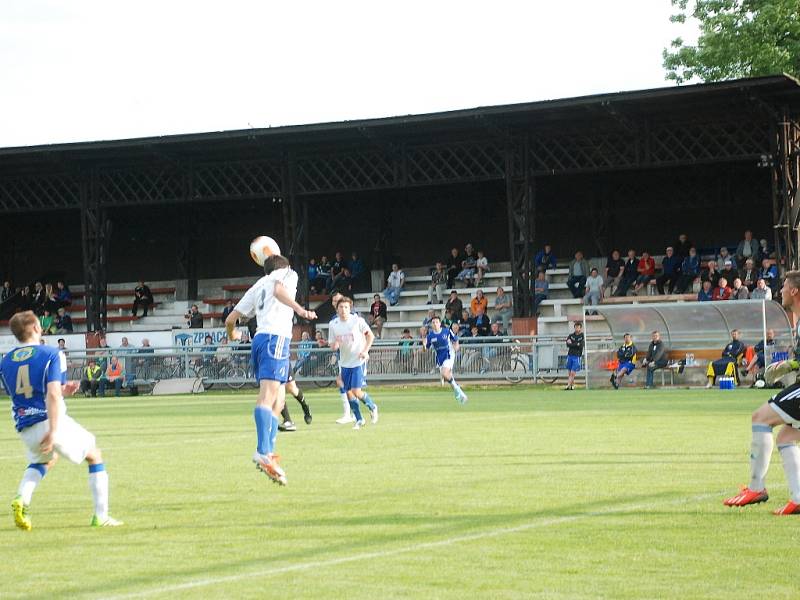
585	349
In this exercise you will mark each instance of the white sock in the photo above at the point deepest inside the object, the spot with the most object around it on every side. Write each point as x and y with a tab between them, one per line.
30	479
455	386
98	483
760	455
790	454
345	405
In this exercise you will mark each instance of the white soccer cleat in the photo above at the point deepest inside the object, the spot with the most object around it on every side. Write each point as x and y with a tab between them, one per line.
345	420
107	522
268	464
374	414
462	398
359	424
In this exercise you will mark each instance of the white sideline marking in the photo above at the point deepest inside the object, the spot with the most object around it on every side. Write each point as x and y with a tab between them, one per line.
198	583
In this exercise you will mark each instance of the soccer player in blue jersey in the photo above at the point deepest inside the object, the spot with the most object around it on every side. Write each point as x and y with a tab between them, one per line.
351	335
626	357
35	376
271	300
445	343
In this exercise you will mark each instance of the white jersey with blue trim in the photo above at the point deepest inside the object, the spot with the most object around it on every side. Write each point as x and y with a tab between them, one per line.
351	335
272	315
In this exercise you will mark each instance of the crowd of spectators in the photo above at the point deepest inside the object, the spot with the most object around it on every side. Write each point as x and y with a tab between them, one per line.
341	275
48	301
748	273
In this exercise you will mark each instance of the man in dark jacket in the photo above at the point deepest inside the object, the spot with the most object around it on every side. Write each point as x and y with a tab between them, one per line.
656	358
670	269
727	364
142	296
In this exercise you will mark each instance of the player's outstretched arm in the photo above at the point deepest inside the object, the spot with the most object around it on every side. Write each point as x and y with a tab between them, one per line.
283	296
234	334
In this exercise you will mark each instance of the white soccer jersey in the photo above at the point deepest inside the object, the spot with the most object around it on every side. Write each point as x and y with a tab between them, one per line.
351	337
272	315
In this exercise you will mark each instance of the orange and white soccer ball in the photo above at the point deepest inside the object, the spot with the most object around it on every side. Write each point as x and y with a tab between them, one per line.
262	248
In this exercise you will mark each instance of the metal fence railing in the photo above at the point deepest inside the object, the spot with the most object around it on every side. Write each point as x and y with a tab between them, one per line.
493	359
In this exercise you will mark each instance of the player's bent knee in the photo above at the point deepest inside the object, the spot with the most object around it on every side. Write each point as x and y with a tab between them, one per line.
787	434
94	456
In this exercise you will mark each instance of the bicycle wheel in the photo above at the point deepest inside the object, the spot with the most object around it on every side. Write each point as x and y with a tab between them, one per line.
514	370
238	374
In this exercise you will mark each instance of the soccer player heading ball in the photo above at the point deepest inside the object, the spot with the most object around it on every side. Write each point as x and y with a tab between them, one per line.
782	409
35	376
271	301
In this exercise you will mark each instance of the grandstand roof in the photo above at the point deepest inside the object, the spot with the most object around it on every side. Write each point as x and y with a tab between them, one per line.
741	94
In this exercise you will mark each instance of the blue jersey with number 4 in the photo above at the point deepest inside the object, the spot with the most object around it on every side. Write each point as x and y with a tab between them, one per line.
25	373
442	343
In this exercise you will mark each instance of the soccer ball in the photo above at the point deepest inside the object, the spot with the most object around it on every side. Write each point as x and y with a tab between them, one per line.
262	248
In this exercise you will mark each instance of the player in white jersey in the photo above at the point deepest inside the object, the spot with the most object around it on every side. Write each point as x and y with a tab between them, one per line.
351	335
271	300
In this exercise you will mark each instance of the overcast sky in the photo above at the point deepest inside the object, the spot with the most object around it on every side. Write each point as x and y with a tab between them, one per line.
98	69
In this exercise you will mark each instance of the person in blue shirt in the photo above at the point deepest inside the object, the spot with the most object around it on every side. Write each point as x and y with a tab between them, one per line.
34	376
706	293
670	269
626	357
445	344
544	259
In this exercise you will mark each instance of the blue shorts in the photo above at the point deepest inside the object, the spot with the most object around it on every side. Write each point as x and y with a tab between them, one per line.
270	357
354	377
626	366
573	363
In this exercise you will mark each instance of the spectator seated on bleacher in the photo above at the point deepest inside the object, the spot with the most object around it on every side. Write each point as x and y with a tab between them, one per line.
763	251
63	295
25	298
544	259
62	322
755	367
481	321
447	319
577	273
357	269
343	283
377	315
769	273
481	267
747	248
228	310
729	271
762	292
613	271
479	301
711	273
47	322
6	292
194	318
90	379
51	303
426	321
722	291
504	310
727	365
629	273
706	293
114	375
468	269
682	246
656	358
454	304
337	268
646	269
142	297
594	289
723	256
739	292
438	281
464	322
749	274
323	271
541	290
670	270
312	272
38	298
394	284
690	270
453	266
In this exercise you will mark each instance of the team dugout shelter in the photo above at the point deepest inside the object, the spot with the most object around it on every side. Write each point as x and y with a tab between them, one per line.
625	170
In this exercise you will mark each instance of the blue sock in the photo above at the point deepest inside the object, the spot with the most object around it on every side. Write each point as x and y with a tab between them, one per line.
368	401
356	410
342	390
273	432
263	417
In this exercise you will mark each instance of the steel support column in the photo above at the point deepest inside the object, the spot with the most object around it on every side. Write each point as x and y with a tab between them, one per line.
521	206
95	236
295	226
786	191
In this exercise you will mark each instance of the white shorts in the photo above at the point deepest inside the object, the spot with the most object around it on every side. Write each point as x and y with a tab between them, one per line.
72	441
448	364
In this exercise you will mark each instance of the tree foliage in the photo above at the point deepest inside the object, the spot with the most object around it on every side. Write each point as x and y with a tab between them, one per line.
738	38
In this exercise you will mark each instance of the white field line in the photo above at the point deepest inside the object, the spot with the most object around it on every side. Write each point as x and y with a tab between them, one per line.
413	548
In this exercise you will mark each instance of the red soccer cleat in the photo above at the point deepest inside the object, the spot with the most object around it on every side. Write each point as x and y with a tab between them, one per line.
790	509
747	496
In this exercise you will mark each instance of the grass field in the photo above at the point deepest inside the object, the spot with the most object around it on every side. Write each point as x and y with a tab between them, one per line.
522	493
